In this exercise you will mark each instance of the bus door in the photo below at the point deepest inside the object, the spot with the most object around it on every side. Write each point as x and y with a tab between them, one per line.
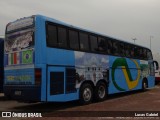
56	83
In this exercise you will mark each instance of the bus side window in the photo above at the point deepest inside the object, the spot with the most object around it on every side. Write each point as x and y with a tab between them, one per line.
51	35
84	41
73	39
141	53
102	45
128	50
132	52
121	49
94	44
115	48
62	37
109	46
136	52
145	53
149	55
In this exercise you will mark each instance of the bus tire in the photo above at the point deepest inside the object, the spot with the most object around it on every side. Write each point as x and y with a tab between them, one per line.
100	91
86	94
144	85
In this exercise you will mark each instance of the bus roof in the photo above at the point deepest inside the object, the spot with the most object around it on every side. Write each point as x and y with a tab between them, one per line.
81	29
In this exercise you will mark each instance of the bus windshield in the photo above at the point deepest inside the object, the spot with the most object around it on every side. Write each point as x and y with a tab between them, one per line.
18	41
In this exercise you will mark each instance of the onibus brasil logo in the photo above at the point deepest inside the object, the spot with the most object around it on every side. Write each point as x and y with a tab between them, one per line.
121	62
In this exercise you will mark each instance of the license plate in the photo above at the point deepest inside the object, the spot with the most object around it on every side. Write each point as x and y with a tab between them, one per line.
18	93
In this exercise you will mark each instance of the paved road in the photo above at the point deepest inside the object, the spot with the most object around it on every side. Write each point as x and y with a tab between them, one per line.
134	101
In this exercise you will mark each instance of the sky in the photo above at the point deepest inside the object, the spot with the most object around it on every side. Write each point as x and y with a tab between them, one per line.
121	19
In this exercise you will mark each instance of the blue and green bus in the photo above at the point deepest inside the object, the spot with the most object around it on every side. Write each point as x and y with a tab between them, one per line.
1	63
47	60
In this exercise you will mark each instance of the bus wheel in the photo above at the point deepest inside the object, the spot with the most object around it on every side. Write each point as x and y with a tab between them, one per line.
144	85
100	91
86	94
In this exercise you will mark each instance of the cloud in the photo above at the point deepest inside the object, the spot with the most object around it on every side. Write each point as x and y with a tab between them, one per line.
124	19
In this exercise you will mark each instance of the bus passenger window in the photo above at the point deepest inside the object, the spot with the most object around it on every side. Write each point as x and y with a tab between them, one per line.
132	52
149	55
128	50
62	37
84	43
141	53
145	54
73	38
101	45
109	46
136	52
121	49
51	35
115	48
93	41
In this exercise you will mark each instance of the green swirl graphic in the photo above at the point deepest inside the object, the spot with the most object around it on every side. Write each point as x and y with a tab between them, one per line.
121	62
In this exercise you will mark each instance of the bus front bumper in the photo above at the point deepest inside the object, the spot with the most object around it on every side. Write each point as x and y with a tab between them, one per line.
24	93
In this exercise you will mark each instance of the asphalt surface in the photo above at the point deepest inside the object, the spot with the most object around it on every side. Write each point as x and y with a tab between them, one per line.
137	101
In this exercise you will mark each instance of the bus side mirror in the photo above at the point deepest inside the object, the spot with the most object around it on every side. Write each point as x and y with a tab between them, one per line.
155	63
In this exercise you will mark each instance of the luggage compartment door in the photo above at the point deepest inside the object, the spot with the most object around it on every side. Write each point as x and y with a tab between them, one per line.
56	84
